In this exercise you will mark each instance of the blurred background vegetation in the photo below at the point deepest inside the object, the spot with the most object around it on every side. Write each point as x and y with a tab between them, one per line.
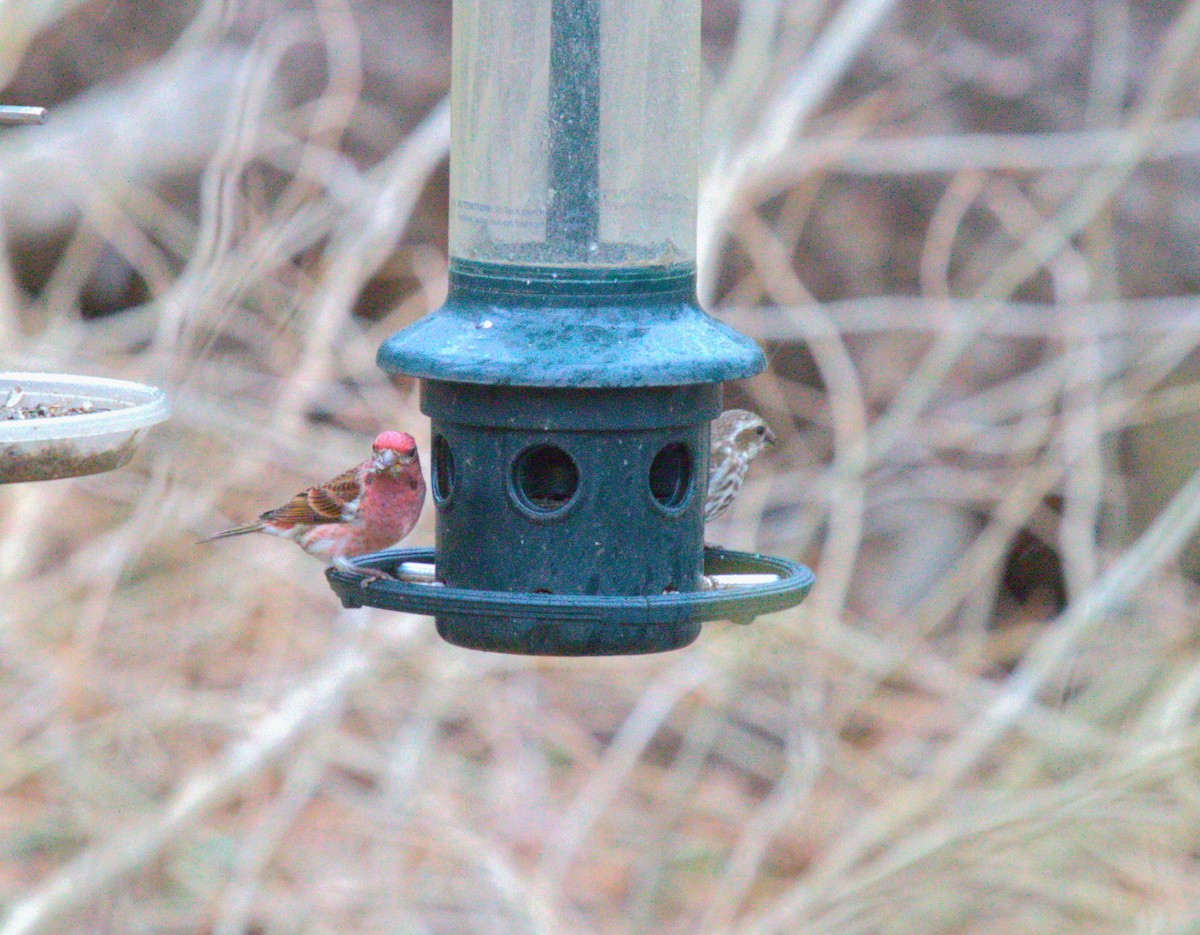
968	236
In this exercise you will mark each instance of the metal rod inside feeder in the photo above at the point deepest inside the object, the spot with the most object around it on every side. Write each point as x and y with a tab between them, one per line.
573	209
14	114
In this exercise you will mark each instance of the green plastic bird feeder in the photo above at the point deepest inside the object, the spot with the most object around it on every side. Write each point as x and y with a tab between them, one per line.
570	378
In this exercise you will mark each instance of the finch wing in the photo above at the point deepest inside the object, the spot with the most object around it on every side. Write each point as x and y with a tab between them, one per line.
328	503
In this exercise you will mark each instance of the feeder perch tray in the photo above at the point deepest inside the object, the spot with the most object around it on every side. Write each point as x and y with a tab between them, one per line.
56	425
576	625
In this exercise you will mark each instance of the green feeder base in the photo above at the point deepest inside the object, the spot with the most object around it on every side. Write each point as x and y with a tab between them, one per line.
742	585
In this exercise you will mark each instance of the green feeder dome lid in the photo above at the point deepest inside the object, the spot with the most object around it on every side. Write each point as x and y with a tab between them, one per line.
571	327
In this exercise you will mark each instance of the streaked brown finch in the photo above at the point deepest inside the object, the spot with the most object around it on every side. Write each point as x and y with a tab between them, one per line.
736	438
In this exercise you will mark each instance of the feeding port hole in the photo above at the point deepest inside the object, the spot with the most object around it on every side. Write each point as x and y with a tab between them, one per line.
443	470
671	476
545	479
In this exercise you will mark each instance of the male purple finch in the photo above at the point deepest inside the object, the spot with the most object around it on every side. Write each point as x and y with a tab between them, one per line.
365	509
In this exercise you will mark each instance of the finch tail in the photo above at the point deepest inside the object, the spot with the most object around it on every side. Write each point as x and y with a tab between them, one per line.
235	531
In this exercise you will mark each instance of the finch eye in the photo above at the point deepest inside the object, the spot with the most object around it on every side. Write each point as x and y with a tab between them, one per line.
760	431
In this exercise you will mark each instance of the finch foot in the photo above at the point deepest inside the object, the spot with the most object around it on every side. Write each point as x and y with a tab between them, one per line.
366	573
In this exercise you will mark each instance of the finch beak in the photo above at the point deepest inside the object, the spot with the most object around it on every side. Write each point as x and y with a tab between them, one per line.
391	461
384	459
769	438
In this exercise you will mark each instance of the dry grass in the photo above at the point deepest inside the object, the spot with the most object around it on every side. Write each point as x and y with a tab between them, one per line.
966	235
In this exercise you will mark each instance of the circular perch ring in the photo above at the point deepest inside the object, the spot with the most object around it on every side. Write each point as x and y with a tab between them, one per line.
739	603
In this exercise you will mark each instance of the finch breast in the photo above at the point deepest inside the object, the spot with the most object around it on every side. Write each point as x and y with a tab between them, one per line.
725	478
737	437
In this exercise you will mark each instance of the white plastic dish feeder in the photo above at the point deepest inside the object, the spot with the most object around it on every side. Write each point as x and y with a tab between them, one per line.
55	425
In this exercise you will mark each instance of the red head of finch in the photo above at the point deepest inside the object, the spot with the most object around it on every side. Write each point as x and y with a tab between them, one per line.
365	509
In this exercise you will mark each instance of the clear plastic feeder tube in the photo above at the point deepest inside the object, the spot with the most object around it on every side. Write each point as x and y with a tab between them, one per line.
574	132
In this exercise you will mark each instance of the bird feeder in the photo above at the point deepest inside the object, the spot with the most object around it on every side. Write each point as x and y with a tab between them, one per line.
570	376
55	425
